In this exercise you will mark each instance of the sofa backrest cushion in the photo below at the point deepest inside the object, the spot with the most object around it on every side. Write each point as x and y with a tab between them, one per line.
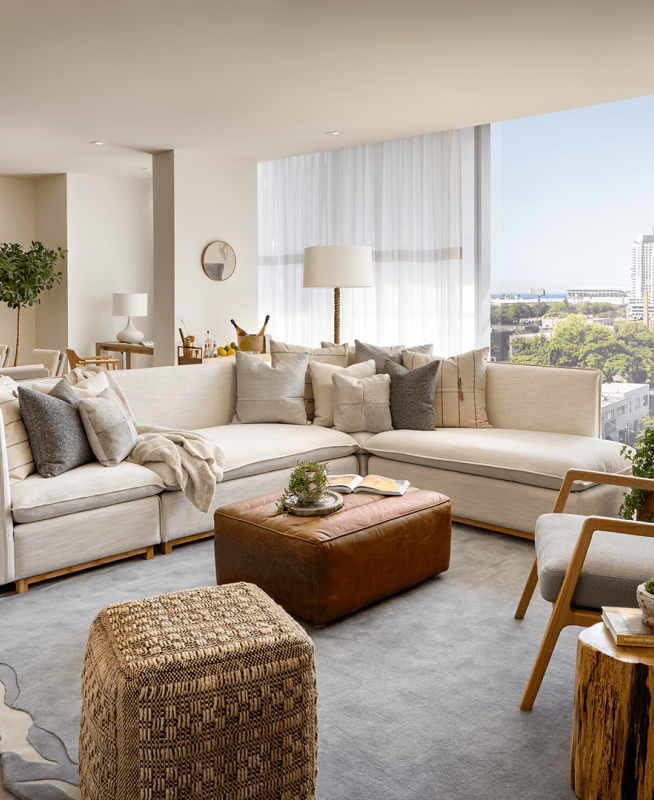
549	399
188	397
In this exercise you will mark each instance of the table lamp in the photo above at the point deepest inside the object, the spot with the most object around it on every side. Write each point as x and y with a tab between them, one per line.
130	305
338	266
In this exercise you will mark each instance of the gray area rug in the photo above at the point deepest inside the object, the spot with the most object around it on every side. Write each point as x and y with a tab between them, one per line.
418	695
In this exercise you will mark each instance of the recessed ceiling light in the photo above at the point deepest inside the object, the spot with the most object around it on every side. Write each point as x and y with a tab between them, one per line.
96	142
333	133
146	169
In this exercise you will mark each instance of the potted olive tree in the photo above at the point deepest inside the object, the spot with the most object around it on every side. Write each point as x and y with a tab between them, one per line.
639	501
24	275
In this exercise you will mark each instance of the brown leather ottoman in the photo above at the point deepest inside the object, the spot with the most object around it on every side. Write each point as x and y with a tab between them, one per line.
320	568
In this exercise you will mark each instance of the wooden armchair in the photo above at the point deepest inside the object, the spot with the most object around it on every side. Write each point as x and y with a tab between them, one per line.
94	361
578	586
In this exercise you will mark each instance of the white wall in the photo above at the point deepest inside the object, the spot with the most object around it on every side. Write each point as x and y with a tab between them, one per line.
213	198
17	225
110	250
52	229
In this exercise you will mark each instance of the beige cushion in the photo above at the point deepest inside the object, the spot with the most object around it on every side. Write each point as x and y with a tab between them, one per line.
532	397
266	447
460	399
88	486
110	431
362	404
323	387
266	393
530	457
334	354
19	453
351	350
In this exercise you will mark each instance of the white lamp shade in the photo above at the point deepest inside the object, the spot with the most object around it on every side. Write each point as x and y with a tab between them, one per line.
130	305
338	265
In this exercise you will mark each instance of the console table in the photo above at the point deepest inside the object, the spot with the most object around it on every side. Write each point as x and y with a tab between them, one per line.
125	348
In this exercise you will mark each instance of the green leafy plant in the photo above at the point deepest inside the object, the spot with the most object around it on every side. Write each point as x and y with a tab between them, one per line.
306	485
649	586
24	275
642	460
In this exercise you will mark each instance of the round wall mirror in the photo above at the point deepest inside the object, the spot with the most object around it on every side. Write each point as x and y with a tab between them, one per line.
219	261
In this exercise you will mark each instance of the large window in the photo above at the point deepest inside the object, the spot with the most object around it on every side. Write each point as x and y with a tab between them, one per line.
413	201
572	275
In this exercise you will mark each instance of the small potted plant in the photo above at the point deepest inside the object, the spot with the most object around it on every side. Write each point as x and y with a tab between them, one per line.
645	597
639	501
306	486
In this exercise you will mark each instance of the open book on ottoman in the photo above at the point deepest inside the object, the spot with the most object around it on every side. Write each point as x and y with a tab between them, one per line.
371	484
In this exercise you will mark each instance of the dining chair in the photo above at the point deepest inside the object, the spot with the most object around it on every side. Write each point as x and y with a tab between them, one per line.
584	563
98	361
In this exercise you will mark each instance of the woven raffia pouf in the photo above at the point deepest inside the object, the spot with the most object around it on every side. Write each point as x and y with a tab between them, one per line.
208	693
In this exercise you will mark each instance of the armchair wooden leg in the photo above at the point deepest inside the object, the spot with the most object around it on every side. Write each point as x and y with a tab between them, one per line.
527	592
149	552
561	617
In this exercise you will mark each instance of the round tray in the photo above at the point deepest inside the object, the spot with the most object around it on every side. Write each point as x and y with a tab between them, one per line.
329	502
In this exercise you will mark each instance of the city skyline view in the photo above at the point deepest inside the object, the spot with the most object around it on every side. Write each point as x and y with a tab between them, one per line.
571	192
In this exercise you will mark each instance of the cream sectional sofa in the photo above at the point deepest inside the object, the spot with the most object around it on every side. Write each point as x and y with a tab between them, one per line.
545	421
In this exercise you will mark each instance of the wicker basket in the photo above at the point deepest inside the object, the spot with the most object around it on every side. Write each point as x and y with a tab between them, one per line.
208	693
252	341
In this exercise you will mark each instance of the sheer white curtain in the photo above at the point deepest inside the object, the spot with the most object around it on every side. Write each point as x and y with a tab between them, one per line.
403	198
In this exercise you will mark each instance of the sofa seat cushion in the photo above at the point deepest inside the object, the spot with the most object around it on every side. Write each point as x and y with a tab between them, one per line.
530	457
80	489
614	566
251	449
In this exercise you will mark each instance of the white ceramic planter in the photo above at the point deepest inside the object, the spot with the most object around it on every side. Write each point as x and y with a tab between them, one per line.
646	602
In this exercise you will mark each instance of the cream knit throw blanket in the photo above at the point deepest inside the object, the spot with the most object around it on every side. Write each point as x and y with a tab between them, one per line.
195	460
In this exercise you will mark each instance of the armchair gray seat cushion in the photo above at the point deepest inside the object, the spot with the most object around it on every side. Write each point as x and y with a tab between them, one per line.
615	564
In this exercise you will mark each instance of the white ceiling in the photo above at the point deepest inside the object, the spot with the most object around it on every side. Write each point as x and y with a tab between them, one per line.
266	79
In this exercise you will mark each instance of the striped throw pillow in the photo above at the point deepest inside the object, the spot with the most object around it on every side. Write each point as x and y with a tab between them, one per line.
19	453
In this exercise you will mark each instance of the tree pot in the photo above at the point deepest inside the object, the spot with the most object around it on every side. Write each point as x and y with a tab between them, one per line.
646	603
648	508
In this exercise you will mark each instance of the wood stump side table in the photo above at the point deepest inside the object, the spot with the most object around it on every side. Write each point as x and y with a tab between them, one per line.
613	723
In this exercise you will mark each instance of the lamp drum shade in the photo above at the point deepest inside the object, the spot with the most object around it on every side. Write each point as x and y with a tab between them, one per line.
347	265
130	305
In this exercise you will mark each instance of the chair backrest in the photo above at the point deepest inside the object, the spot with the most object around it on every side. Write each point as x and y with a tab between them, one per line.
73	359
49	358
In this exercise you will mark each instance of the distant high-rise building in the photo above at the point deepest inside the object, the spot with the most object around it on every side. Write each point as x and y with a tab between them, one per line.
642	267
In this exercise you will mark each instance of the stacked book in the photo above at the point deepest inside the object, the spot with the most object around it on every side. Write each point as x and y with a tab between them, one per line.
626	626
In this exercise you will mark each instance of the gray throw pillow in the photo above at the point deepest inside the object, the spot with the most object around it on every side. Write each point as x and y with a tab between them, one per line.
55	430
365	351
110	430
412	396
361	404
271	394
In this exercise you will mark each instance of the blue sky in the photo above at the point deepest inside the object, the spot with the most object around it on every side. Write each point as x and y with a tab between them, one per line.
570	193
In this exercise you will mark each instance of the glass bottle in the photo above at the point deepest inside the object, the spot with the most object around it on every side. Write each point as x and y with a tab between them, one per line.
207	346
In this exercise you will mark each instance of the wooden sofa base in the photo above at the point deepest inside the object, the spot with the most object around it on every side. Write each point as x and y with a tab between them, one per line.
23	583
477	524
167	547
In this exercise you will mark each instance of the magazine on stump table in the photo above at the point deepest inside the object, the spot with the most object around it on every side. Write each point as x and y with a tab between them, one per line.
371	484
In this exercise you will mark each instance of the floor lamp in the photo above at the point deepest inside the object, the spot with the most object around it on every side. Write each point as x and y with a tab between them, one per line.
338	266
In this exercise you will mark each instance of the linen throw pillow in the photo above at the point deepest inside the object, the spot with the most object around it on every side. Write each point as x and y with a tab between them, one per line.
460	397
412	396
365	351
110	431
323	387
55	430
333	354
362	404
266	393
19	453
